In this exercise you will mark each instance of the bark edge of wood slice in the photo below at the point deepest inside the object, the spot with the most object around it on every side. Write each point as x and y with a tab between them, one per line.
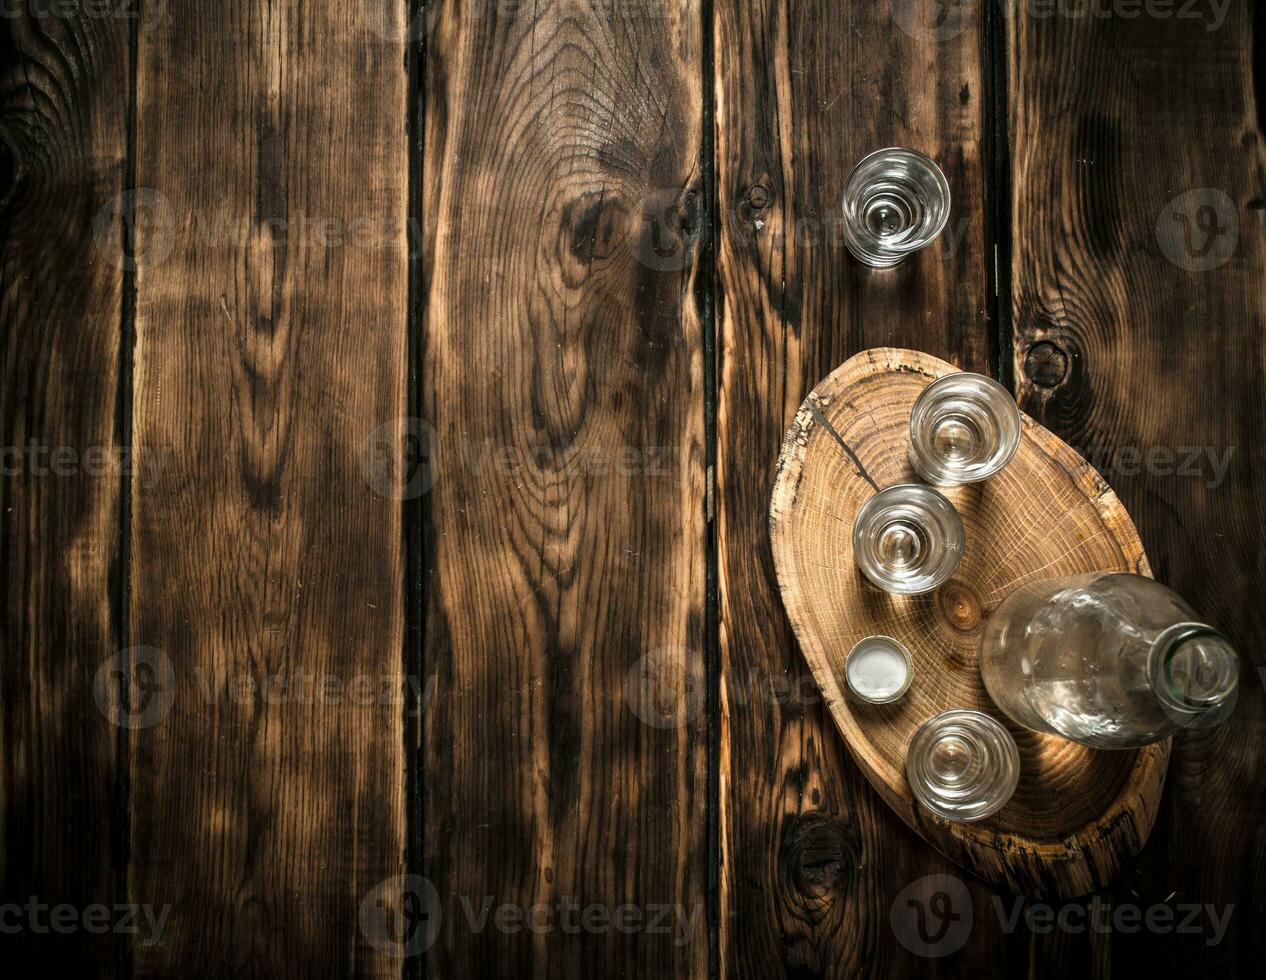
1078	815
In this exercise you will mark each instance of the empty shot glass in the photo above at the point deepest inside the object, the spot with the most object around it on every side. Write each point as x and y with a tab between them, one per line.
907	539
962	765
896	201
963	428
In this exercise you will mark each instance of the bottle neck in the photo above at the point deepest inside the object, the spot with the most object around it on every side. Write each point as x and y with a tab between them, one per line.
1195	674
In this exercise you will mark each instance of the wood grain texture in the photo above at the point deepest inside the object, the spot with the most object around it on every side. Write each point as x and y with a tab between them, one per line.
812	860
267	578
63	102
1138	175
564	191
1077	815
565	747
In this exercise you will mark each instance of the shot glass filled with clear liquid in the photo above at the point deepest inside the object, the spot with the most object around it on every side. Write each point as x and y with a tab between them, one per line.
962	765
907	539
896	201
964	428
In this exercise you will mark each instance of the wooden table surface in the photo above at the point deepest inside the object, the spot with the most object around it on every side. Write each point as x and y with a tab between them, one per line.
391	394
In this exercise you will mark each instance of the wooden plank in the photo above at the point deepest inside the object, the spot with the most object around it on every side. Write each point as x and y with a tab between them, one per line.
1138	259
565	747
63	101
812	860
267	557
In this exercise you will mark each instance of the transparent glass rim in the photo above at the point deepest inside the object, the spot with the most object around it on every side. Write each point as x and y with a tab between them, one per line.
909	246
920	452
954	547
996	739
1160	659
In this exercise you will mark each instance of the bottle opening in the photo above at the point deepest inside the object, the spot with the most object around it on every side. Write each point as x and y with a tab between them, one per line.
1197	676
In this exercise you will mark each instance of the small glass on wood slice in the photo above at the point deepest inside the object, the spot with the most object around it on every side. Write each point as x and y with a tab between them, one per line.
964	428
963	765
908	539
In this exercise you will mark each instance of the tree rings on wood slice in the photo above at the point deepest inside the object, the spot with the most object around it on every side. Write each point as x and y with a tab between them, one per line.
1078	814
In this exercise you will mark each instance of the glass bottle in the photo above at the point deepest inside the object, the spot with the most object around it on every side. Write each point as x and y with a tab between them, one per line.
1107	659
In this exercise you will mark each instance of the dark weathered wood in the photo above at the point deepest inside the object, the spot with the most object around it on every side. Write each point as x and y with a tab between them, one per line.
268	793
565	747
63	103
1138	262
811	858
563	309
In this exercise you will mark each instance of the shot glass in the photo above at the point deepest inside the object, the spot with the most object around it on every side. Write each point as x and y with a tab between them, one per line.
962	765
964	428
896	201
907	539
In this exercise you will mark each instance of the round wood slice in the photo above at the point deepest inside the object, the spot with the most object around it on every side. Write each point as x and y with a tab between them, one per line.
1078	814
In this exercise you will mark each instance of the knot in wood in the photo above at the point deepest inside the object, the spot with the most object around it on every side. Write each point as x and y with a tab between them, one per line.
758	196
960	605
1046	364
818	855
